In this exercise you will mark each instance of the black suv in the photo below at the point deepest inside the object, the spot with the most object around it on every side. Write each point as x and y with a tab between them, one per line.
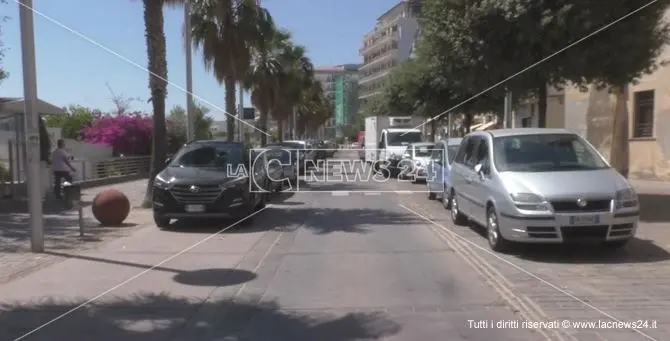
209	179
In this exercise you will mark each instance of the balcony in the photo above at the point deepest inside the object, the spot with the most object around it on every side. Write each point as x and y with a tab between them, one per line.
379	37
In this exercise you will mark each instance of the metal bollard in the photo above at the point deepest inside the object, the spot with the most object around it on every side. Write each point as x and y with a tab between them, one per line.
73	199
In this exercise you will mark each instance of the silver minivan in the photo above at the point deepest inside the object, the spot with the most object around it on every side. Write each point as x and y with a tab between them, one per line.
535	185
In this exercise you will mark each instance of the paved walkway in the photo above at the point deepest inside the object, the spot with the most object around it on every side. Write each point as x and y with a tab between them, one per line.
62	232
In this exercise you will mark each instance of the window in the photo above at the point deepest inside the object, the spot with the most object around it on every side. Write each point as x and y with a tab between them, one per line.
460	157
437	154
544	153
483	155
643	126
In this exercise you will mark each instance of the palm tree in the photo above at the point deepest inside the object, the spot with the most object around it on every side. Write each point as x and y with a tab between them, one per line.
226	31
264	75
296	78
156	55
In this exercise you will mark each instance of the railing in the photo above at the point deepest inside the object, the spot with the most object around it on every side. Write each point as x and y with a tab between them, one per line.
112	168
88	172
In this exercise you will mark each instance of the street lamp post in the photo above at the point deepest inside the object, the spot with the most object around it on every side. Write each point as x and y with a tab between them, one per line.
190	115
32	130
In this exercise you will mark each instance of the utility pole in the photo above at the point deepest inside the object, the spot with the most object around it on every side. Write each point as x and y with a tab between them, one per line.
32	130
190	114
508	109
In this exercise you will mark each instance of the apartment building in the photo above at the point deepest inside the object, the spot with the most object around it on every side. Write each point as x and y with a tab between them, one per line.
390	43
340	83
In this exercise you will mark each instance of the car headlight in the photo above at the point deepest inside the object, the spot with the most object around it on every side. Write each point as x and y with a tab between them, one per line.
529	202
626	198
162	183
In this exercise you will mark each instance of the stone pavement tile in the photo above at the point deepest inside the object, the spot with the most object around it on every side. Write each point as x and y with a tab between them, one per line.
62	232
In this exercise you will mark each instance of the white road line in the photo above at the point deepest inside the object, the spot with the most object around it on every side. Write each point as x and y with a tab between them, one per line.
340	193
372	193
514	265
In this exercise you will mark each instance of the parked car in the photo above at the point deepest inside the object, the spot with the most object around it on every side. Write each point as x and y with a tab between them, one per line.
541	186
438	180
306	153
288	160
208	179
271	160
415	160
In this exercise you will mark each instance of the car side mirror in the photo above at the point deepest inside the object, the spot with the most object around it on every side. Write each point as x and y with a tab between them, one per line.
479	169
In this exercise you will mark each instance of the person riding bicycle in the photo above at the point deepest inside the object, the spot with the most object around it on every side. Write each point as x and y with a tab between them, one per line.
61	166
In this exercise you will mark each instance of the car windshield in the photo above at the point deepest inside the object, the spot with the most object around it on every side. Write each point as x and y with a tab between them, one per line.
544	153
452	150
209	155
403	139
422	151
282	155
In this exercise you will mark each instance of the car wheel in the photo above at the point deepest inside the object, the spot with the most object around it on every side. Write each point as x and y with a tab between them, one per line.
446	198
495	239
616	244
160	221
457	217
431	194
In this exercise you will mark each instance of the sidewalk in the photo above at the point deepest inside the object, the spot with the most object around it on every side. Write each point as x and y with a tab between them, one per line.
62	232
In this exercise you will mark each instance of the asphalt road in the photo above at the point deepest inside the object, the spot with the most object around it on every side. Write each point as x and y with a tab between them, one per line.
337	260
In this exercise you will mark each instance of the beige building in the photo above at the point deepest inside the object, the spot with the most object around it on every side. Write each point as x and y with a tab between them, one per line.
386	46
591	114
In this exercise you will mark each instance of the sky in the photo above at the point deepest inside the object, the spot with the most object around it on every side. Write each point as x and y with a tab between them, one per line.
85	48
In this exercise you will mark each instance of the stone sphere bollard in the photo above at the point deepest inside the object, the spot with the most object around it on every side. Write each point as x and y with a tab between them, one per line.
111	207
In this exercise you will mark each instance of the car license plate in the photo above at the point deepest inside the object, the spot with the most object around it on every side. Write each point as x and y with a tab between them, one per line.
585	220
195	208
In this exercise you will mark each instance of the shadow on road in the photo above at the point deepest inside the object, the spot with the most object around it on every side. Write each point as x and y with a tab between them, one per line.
139	319
636	251
61	231
319	220
203	277
654	208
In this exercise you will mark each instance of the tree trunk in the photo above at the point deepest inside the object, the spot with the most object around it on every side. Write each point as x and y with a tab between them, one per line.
542	104
263	122
433	129
230	108
619	152
467	122
156	53
280	130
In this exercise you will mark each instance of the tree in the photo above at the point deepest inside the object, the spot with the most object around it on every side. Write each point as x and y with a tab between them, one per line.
618	55
225	31
297	77
129	134
450	73
178	123
158	73
76	119
264	75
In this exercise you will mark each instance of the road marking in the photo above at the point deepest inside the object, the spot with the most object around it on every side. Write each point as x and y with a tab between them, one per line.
340	193
372	193
404	192
519	268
